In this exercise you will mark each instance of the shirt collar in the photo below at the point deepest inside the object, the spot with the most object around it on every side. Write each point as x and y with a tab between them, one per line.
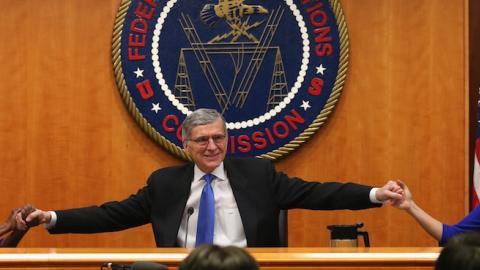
219	173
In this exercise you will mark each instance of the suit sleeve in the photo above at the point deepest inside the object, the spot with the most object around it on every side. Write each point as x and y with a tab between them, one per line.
297	193
111	216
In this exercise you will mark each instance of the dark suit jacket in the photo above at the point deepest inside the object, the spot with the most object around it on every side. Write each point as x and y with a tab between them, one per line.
260	192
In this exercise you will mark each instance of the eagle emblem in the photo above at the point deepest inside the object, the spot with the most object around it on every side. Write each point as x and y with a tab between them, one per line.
233	12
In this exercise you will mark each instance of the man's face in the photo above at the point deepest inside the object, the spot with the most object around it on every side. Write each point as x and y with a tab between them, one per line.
207	145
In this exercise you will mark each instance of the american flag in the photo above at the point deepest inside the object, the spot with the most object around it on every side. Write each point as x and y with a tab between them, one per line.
476	169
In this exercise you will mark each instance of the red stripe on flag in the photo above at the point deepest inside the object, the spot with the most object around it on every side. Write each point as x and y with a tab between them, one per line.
476	177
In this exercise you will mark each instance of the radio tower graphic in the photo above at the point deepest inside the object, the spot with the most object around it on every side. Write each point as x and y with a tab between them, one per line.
247	56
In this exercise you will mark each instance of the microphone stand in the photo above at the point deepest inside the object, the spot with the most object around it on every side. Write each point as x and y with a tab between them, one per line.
190	211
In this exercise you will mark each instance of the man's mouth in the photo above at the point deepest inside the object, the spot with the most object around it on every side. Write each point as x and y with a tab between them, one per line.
212	156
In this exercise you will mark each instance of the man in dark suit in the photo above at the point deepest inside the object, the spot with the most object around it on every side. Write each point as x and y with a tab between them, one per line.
236	200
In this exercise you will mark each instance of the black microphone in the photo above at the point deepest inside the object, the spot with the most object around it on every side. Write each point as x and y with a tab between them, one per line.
148	266
135	266
190	211
116	266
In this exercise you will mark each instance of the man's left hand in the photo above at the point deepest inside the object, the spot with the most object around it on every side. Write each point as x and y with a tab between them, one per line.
391	192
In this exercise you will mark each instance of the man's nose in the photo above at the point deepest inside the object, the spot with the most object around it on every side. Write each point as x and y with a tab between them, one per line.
211	144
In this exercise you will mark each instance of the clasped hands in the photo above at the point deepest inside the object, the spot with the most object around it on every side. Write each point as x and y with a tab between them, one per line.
394	192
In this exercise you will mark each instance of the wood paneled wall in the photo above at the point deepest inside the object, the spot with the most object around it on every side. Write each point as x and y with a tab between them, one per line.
67	140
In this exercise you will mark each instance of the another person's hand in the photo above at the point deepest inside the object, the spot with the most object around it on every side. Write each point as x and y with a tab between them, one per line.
15	226
431	225
391	192
407	201
27	210
10	223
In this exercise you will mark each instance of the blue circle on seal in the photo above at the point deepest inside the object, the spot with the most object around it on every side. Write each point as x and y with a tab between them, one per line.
274	69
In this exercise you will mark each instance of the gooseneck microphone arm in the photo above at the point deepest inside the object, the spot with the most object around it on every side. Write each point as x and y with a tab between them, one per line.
190	211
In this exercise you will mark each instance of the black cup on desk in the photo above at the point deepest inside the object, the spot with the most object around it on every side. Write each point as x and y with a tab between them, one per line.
347	235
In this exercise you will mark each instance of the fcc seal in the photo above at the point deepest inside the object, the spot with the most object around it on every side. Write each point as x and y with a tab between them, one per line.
273	68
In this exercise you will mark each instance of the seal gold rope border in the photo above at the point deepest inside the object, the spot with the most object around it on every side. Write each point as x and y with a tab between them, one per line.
273	155
122	86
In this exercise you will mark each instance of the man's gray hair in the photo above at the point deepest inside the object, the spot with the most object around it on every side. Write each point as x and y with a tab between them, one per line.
200	117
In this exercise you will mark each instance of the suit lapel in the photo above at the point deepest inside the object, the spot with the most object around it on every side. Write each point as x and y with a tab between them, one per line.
178	208
246	205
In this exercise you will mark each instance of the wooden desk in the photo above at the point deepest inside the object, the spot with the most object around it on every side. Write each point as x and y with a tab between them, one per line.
269	258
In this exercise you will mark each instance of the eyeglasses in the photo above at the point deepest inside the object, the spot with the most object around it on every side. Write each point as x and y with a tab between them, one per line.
204	140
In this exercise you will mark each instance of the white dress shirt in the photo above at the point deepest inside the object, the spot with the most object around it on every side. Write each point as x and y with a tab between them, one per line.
228	224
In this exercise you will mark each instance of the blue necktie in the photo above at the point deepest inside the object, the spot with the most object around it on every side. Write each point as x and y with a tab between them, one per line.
206	213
